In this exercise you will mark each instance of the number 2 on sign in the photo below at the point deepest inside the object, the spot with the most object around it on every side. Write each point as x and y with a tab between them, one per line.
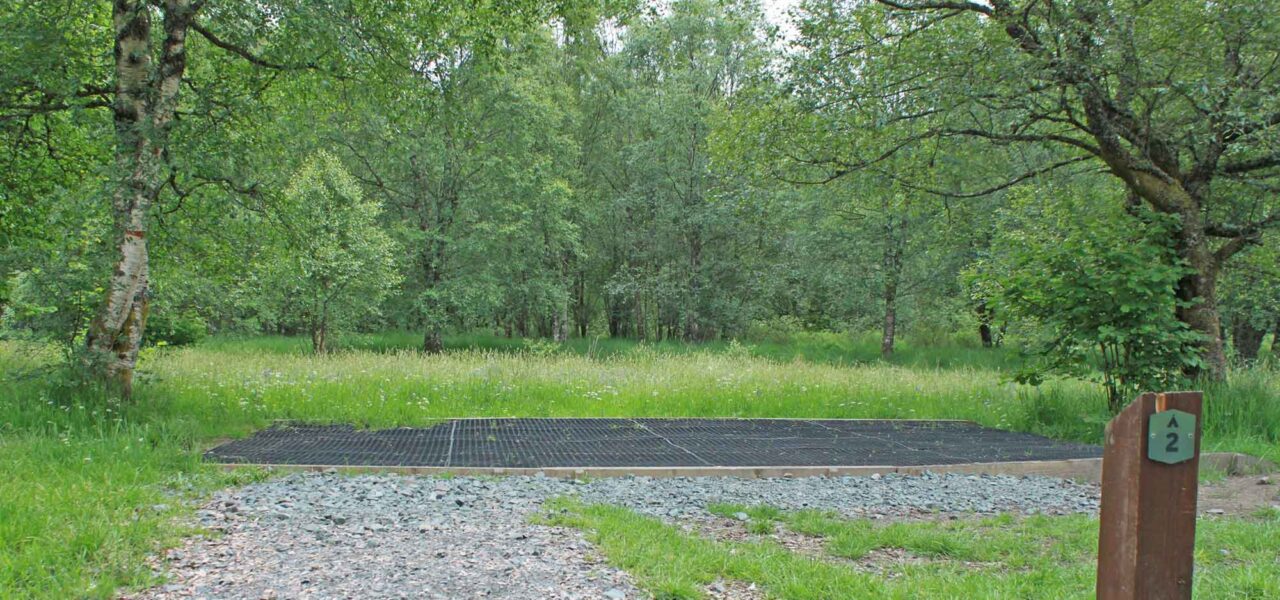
1172	435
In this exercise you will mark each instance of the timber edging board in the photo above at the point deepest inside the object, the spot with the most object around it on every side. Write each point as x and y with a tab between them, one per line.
1079	469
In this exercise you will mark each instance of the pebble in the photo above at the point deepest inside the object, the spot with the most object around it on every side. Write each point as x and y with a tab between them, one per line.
390	536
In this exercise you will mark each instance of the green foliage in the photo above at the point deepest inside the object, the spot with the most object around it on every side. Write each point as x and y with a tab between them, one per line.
54	296
1250	298
335	264
1096	290
632	181
975	97
688	256
176	328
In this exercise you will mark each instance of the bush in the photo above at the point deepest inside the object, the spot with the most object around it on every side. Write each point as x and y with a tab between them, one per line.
175	328
779	330
1096	290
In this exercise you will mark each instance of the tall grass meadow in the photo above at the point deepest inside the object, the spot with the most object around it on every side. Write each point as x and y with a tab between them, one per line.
91	485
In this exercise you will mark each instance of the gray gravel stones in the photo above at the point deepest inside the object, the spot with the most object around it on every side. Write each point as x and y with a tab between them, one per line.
889	495
388	536
328	536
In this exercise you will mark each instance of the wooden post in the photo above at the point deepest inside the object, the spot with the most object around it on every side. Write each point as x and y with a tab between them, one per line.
1148	520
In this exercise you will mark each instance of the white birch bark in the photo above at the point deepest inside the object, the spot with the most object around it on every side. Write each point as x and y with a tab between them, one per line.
145	100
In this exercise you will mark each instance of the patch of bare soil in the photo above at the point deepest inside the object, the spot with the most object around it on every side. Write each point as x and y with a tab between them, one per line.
1241	495
733	530
883	562
730	589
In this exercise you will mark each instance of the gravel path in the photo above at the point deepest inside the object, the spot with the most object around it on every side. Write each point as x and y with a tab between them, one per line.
388	536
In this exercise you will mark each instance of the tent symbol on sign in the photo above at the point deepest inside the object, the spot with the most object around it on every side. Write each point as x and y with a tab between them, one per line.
1171	436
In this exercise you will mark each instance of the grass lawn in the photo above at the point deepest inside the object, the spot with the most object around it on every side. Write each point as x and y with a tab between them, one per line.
998	557
91	486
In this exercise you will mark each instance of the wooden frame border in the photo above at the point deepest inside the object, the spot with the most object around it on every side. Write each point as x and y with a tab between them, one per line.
1079	469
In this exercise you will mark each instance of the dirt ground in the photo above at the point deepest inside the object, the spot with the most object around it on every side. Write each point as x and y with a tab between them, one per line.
1240	495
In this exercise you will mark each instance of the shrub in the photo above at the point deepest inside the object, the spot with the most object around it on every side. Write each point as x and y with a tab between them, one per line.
175	328
1096	290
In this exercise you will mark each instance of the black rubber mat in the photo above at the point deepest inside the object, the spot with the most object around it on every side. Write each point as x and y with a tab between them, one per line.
549	443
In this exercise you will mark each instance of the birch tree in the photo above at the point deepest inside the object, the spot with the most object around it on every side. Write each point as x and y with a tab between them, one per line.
129	58
335	264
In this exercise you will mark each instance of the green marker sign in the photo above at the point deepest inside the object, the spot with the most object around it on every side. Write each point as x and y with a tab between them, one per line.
1171	436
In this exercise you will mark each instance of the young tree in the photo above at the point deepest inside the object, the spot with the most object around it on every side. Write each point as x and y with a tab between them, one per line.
1175	99
336	264
1090	293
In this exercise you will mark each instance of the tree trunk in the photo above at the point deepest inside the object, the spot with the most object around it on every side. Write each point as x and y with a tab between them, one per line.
560	324
615	318
641	325
433	341
1246	339
984	325
145	100
581	314
892	263
692	326
890	324
1199	293
319	338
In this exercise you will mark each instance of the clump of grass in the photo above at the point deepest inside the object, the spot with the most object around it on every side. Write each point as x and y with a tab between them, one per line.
760	519
673	565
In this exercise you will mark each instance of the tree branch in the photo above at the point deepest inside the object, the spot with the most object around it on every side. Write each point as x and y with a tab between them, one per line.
1241	236
936	5
1247	230
843	167
21	108
1024	137
991	190
1239	130
1245	166
247	55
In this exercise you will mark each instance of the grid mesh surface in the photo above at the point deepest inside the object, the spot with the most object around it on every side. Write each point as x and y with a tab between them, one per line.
550	443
